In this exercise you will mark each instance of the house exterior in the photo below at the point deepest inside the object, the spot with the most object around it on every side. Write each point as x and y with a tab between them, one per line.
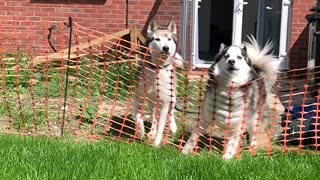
203	24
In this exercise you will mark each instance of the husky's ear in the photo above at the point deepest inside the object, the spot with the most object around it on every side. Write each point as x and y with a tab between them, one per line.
220	54
222	46
152	27
244	51
172	27
245	55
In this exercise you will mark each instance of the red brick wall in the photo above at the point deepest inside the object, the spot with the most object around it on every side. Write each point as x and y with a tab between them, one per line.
299	33
142	11
107	16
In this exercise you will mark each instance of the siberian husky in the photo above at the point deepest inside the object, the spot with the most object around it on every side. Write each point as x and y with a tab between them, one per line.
155	87
235	97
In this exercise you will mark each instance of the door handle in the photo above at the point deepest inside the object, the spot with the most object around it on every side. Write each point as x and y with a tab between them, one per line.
243	3
240	5
199	2
283	54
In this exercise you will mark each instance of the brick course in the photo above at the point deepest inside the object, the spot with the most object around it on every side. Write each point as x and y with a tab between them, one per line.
108	16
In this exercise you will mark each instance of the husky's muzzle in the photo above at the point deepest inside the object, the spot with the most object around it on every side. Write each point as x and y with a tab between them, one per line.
231	65
165	50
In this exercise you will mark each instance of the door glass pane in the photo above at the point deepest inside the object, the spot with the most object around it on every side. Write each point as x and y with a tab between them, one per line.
250	18
262	18
215	27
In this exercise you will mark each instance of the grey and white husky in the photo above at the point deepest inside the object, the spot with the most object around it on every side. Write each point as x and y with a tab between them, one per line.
235	97
155	88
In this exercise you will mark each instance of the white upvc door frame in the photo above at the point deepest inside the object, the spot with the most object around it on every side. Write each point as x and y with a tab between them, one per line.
285	34
197	63
237	22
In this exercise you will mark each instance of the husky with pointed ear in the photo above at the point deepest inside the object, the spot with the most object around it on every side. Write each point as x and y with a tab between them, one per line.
155	87
235	95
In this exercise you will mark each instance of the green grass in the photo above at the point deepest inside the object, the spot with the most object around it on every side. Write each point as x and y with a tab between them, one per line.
28	158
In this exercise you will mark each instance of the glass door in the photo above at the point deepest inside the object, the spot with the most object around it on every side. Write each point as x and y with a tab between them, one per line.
230	22
268	20
213	25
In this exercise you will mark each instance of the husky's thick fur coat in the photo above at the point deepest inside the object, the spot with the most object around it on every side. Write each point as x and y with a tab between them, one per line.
235	97
156	84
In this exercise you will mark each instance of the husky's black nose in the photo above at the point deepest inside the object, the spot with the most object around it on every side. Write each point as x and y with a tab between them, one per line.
165	49
231	62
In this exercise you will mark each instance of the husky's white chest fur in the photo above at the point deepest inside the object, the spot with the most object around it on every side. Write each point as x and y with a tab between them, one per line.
226	107
161	87
226	101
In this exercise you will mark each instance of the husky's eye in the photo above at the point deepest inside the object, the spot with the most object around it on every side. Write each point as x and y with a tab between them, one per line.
239	57
169	39
157	39
226	56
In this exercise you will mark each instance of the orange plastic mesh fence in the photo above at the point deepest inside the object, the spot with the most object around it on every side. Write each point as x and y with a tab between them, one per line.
92	94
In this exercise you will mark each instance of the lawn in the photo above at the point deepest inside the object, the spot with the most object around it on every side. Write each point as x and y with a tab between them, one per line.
42	158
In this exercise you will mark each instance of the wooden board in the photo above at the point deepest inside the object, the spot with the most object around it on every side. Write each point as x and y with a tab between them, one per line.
63	54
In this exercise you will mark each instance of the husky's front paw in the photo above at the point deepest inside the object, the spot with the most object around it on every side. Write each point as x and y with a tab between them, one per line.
140	135
227	156
157	142
253	150
151	134
173	127
187	149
